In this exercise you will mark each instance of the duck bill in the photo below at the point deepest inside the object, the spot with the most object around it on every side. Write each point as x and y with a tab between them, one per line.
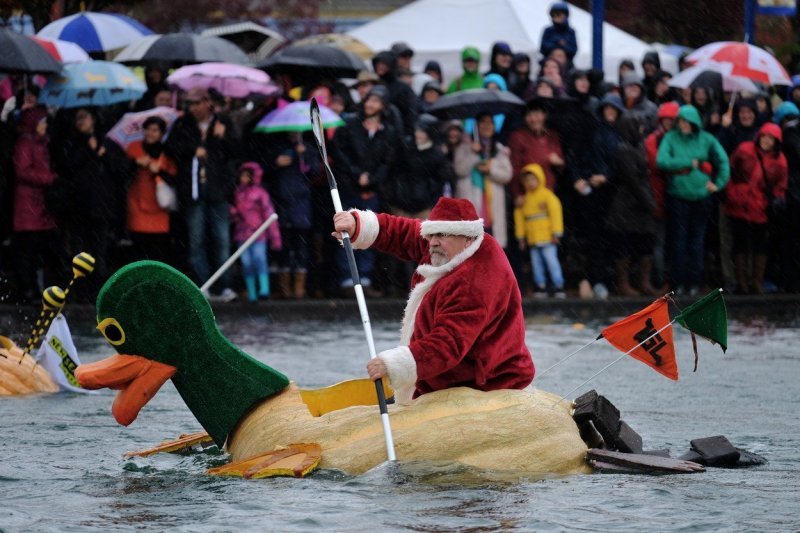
137	379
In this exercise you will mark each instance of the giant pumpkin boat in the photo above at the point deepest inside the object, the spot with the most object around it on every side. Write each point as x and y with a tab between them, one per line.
163	328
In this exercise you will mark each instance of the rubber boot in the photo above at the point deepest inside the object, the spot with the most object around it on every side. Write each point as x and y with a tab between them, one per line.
299	285
759	267
623	277
740	272
250	283
645	271
263	286
284	284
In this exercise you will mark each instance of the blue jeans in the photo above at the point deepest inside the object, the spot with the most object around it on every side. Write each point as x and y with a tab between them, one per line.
546	255
365	259
686	231
254	259
209	231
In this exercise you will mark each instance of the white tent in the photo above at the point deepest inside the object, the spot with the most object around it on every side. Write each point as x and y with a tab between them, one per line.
440	29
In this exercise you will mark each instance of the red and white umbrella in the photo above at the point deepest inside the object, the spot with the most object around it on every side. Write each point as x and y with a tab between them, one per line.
748	61
63	51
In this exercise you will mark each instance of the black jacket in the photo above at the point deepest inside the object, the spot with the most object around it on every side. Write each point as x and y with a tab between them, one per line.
354	152
221	165
419	182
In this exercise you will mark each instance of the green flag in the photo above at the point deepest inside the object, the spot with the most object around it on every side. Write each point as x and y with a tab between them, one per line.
708	318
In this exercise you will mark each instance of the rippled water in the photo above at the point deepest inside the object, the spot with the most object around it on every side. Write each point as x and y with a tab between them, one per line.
61	465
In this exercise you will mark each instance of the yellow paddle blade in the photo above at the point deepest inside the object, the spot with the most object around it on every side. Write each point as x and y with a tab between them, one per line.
296	460
344	394
182	443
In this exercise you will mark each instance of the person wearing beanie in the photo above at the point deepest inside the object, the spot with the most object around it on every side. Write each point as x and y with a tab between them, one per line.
636	103
471	79
651	65
431	92
401	95
434	70
520	74
463	324
560	34
759	179
739	125
697	166
538	227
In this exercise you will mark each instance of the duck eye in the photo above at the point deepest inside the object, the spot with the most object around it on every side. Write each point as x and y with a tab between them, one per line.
112	331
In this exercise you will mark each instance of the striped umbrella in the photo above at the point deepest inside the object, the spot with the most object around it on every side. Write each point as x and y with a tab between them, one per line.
63	51
295	117
20	54
96	32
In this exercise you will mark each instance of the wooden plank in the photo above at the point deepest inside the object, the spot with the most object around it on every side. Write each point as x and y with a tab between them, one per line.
645	463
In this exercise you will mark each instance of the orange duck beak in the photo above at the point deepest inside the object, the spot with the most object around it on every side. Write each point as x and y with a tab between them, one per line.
137	379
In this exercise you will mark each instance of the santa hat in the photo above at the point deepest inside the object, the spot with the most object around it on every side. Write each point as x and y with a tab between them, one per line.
452	216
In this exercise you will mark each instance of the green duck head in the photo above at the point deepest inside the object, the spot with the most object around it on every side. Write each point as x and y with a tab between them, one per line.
162	327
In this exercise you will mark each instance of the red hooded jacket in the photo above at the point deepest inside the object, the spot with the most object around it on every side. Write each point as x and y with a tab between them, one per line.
755	177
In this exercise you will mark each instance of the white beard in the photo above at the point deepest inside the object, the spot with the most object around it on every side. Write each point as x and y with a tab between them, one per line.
439	259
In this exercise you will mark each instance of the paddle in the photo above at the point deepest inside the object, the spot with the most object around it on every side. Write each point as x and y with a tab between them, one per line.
316	126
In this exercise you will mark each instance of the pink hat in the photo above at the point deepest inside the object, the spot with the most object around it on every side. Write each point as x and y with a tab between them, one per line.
452	216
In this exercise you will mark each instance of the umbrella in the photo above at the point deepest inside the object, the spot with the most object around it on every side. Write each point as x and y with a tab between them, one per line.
314	62
340	40
177	49
63	51
21	54
471	102
93	83
257	41
748	61
129	128
96	32
235	81
294	117
713	75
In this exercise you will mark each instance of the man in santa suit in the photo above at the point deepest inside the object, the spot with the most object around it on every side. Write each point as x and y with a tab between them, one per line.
463	323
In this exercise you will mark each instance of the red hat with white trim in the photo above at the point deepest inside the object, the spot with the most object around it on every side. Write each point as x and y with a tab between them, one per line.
452	216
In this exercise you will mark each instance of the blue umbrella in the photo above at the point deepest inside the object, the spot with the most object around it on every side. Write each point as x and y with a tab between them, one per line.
93	83
96	32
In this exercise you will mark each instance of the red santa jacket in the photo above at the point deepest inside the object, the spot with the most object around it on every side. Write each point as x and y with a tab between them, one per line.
463	323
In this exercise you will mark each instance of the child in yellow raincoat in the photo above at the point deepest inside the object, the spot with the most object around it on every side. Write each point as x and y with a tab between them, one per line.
539	225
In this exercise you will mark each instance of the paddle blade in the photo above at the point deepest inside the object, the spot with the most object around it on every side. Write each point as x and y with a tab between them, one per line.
182	444
296	460
316	127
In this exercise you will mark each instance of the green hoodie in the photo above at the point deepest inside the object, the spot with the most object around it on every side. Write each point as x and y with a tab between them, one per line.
470	80
677	151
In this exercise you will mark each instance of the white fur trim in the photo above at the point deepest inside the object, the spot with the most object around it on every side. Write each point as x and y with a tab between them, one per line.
467	228
431	274
368	229
401	366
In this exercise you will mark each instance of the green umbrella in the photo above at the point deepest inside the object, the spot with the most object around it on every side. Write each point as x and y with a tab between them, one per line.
294	117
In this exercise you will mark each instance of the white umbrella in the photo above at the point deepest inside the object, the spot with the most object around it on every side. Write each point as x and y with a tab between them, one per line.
712	75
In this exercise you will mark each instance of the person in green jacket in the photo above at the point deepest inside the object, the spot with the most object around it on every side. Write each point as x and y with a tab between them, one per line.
696	167
471	79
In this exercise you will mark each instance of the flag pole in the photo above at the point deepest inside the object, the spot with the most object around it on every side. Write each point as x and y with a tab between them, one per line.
615	361
545	371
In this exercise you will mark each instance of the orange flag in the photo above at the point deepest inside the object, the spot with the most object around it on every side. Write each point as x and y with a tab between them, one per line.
647	336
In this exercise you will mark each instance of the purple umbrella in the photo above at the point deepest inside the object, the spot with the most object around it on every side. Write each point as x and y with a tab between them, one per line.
231	80
295	117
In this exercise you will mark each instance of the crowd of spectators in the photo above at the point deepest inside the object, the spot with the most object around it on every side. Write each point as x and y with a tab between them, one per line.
593	188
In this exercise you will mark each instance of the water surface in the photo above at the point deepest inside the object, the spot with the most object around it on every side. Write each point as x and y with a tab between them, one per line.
61	465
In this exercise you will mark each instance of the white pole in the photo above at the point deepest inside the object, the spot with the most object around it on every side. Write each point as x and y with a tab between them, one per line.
245	245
